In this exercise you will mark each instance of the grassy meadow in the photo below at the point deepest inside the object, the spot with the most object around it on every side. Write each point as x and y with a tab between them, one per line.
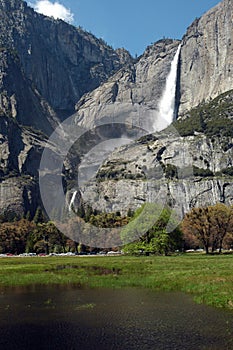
208	278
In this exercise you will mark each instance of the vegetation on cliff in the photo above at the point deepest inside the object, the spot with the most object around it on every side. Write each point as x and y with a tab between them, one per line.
213	118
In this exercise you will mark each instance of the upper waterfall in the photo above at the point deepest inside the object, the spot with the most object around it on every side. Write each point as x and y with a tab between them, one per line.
167	102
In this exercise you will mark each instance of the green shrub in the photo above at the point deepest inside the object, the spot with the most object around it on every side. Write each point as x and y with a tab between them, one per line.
202	172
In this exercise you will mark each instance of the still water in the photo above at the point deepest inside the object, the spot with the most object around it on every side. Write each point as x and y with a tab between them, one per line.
123	319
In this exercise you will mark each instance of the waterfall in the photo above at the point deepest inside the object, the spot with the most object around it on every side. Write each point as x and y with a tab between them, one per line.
72	200
167	102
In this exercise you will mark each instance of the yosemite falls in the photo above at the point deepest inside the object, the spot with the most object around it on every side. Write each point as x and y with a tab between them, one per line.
167	102
164	117
72	200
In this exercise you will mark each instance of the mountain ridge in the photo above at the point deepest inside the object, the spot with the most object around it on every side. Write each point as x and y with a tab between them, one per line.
183	171
58	62
50	69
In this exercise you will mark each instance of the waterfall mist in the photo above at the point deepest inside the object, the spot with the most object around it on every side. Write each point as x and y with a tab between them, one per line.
167	102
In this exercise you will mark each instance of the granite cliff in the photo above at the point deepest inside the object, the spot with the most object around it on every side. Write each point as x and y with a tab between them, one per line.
126	180
188	164
47	65
205	71
50	69
133	93
20	152
206	63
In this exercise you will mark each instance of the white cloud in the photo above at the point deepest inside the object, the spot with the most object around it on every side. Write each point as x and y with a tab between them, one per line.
55	10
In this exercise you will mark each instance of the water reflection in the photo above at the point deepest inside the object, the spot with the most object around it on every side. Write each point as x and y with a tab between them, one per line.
73	318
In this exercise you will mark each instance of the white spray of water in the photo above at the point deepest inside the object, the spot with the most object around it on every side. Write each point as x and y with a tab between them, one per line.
72	200
167	102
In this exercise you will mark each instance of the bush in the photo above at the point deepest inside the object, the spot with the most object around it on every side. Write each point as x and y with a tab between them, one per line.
202	172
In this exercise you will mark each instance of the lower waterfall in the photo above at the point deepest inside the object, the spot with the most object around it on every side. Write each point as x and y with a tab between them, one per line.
72	200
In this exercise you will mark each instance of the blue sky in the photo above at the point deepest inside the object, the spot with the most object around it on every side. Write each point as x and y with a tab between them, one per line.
135	24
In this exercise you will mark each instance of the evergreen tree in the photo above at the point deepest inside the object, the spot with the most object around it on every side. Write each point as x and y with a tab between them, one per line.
39	216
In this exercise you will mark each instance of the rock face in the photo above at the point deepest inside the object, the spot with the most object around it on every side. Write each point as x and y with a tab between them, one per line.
180	171
20	149
50	63
50	69
133	93
20	154
206	68
46	65
19	100
195	169
205	71
18	195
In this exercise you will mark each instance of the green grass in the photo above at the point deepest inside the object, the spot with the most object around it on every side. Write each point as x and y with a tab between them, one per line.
208	278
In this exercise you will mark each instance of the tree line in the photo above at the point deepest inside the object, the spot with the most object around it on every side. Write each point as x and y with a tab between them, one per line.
209	228
149	230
